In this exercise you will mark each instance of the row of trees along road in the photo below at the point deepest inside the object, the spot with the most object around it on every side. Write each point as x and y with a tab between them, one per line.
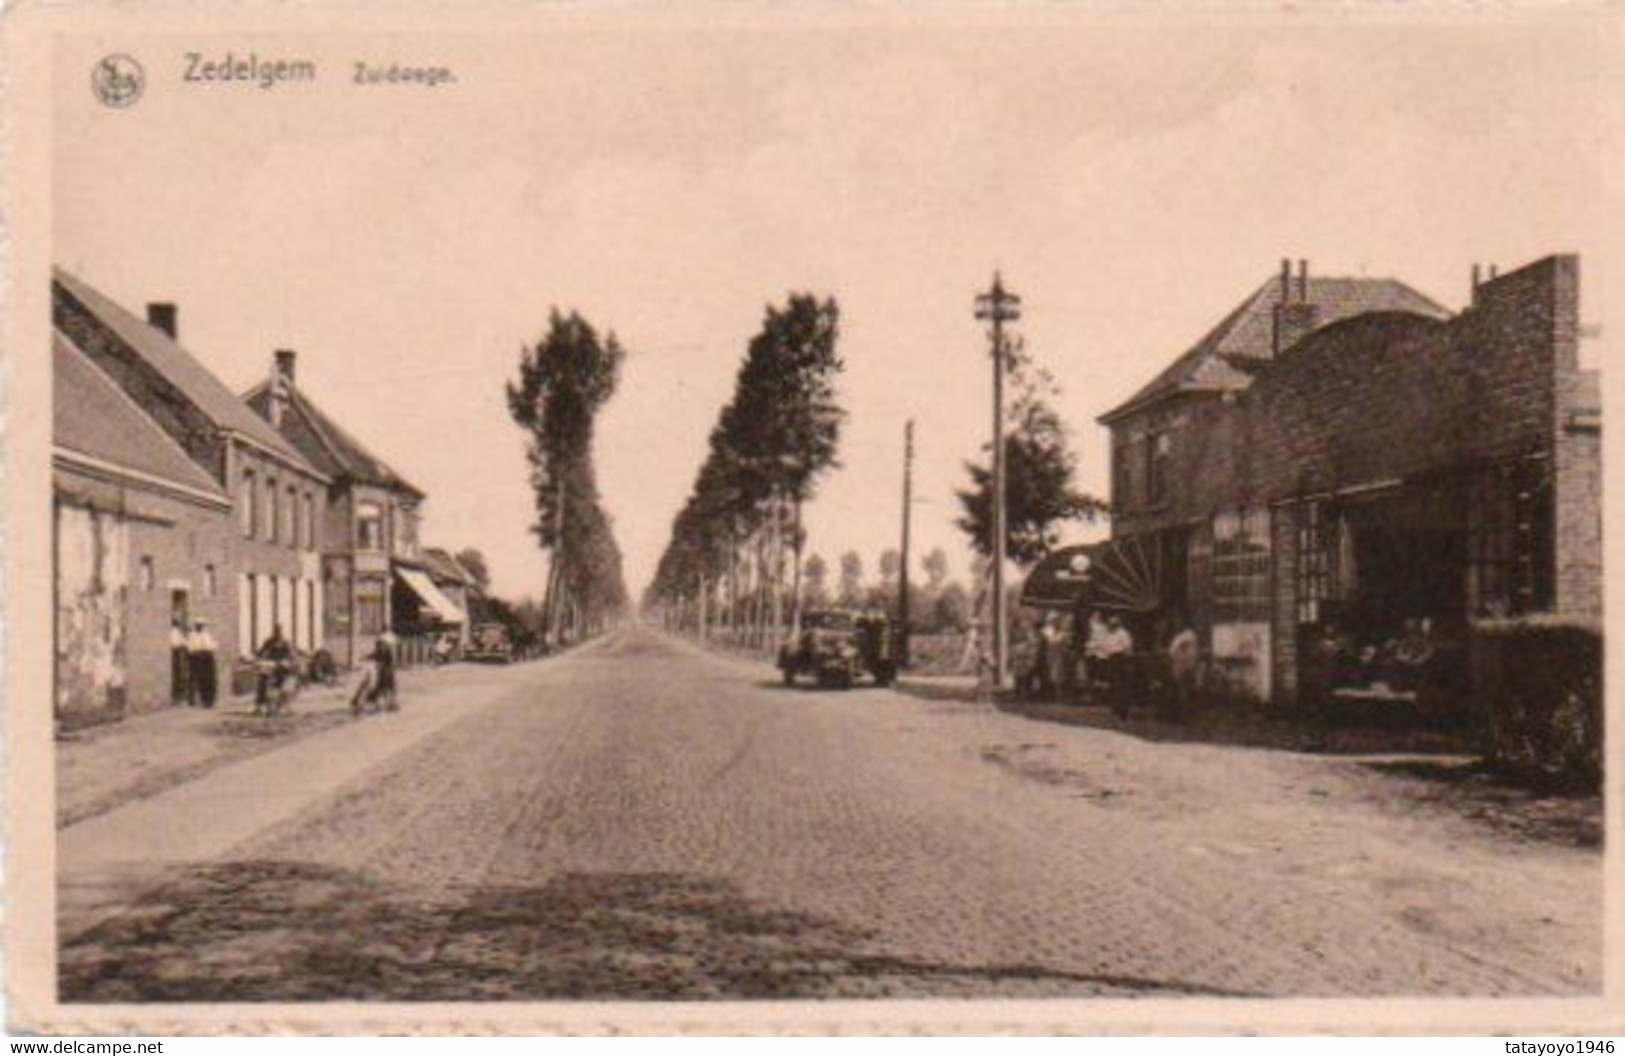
564	380
725	567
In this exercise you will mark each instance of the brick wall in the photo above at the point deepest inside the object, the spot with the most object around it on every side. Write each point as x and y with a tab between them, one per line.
1577	491
182	539
1206	465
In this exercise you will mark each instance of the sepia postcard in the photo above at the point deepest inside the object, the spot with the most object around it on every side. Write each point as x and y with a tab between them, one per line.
896	517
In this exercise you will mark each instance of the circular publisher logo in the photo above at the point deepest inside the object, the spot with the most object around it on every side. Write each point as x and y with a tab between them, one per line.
118	81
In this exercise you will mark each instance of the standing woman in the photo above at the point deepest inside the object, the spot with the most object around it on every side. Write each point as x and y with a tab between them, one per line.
200	650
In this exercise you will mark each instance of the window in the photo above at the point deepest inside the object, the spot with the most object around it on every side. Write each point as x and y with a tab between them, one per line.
1509	548
1122	477
310	521
407	532
293	518
369	526
1241	565
1158	446
249	505
210	585
149	574
249	628
273	510
369	605
1314	561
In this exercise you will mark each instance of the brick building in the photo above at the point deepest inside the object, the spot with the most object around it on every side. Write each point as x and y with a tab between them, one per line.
271	569
458	586
141	536
1345	451
373	515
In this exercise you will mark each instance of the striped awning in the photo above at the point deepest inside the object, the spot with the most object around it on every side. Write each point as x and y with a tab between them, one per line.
431	596
1121	575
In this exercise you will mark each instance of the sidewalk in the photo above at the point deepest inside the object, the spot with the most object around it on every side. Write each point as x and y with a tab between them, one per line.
104	767
186	813
1433	769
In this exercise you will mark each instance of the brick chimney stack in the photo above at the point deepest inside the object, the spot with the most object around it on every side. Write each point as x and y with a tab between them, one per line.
1294	315
162	315
282	380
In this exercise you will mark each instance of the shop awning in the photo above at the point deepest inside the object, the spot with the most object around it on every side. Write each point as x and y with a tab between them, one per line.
1121	575
436	602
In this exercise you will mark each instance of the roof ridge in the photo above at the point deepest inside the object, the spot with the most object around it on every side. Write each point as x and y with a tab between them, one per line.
157	431
327	429
178	366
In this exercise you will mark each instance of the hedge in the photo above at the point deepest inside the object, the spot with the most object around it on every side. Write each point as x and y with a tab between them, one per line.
1538	695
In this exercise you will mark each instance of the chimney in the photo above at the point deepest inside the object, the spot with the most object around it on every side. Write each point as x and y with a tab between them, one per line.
162	316
1478	277
282	366
1294	316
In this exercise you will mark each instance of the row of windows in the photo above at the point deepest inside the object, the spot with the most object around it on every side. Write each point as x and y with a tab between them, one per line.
149	577
1152	454
269	602
277	514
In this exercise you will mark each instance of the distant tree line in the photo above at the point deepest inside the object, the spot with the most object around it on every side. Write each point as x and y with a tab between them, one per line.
938	605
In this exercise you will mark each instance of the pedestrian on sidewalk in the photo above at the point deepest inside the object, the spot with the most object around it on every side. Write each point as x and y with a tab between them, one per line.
200	650
180	662
383	657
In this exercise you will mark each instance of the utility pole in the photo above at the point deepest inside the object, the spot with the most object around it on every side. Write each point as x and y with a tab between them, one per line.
997	307
902	574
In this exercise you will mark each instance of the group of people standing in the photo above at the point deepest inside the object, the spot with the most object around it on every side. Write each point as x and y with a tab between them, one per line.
194	678
1097	657
194	665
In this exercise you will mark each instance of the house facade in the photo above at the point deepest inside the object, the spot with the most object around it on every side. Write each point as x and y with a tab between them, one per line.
141	537
1368	461
266	573
372	514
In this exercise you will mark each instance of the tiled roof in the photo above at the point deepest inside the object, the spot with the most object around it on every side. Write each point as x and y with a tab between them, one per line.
443	567
92	416
335	451
1247	334
177	365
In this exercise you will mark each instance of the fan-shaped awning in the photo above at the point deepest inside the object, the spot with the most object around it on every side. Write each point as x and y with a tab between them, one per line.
1121	575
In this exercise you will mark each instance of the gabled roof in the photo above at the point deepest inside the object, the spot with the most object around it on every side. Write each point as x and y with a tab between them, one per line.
443	567
326	444
91	416
178	366
1246	336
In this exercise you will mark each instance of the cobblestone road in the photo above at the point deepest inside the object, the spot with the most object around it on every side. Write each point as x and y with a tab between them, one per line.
643	820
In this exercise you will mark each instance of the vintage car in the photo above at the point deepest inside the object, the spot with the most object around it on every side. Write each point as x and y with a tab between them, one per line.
490	643
838	647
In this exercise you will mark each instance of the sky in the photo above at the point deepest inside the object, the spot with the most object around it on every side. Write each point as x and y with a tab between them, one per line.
1132	180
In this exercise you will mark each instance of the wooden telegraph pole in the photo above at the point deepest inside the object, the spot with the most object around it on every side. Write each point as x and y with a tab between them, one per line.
902	574
997	307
